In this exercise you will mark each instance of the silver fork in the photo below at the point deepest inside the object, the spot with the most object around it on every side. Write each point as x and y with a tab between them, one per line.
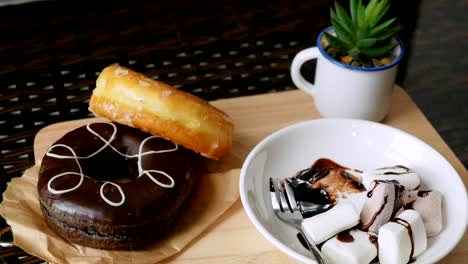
286	209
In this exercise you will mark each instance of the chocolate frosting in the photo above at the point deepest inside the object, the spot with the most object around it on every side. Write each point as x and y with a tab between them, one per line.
145	201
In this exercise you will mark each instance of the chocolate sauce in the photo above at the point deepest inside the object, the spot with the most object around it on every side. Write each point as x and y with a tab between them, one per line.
423	193
371	191
409	205
373	240
312	174
302	240
377	182
393	173
410	233
396	173
359	185
323	183
304	193
390	181
397	203
365	227
310	185
398	193
327	163
356	184
345	237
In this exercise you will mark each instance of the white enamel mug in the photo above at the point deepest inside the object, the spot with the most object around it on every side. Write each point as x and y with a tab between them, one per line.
342	90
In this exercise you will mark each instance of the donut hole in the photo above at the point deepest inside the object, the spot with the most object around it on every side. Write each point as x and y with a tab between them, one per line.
110	166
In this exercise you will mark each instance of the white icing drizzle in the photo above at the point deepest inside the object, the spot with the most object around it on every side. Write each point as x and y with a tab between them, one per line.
101	191
107	143
65	173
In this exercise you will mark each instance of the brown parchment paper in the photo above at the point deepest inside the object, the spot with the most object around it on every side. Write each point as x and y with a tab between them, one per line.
213	195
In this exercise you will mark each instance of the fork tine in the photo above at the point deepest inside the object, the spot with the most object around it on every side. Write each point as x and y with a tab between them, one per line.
291	198
283	200
274	196
279	199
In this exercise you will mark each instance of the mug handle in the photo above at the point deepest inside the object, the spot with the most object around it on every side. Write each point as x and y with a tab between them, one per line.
299	59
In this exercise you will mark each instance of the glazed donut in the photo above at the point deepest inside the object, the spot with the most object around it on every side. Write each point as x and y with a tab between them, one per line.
110	186
132	99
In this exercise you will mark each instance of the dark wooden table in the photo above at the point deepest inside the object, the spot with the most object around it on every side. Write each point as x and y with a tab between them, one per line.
52	51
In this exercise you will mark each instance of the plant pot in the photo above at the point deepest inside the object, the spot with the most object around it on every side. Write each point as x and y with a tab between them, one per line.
342	90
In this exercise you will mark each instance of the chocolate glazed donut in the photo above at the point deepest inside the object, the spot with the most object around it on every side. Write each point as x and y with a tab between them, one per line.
110	186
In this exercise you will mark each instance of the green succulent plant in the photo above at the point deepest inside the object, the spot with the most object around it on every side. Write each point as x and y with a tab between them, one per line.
360	35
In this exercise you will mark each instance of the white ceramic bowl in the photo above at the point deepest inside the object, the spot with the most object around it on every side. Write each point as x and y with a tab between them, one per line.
355	144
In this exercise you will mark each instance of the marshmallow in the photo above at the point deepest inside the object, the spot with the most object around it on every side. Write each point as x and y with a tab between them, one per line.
383	200
429	205
356	199
401	174
402	239
350	246
325	225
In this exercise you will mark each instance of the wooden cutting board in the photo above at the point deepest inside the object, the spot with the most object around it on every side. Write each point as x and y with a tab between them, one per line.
233	239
